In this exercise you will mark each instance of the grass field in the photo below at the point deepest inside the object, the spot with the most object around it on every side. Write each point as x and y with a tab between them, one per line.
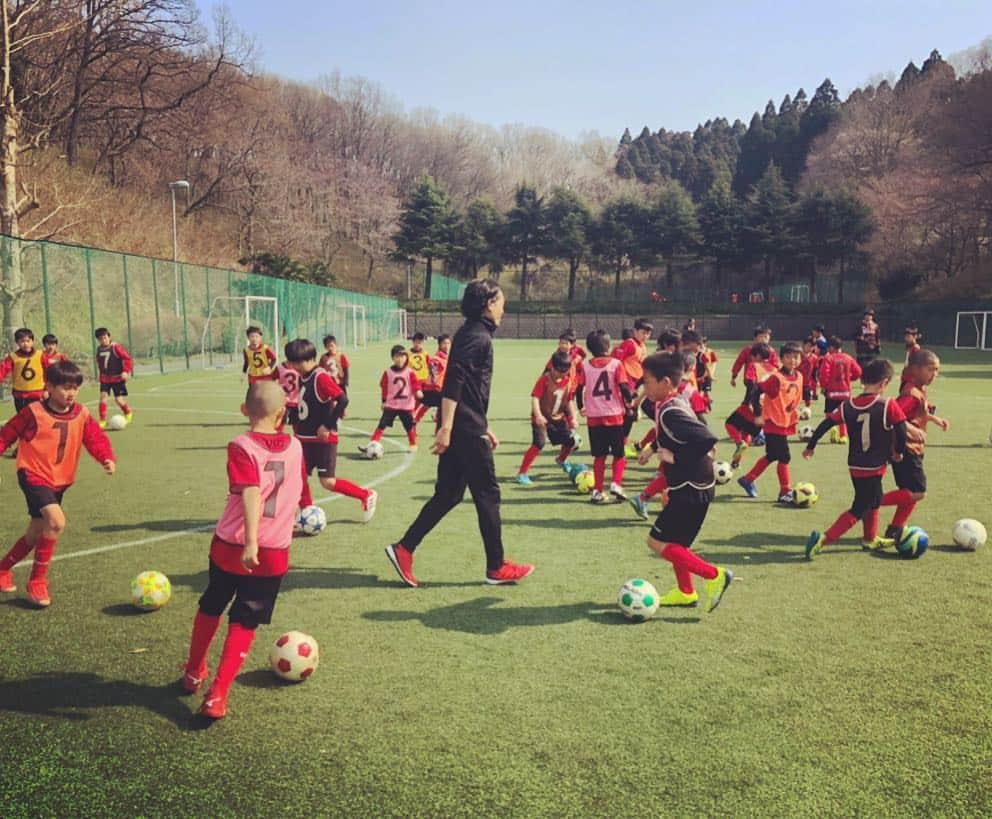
853	685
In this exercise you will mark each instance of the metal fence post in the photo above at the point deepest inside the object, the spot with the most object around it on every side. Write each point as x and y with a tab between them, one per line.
158	322
44	287
210	342
182	293
230	315
89	288
127	304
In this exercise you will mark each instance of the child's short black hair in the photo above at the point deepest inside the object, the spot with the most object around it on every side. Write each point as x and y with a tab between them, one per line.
790	347
299	350
568	334
626	333
101	331
643	324
669	337
834	343
329	339
23	333
691	337
49	338
911	329
253	329
876	371
665	365
761	351
418	336
442	338
819	328
562	362
63	374
598	342
397	350
810	341
759	329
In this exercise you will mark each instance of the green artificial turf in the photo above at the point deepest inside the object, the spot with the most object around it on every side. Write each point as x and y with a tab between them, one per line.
853	685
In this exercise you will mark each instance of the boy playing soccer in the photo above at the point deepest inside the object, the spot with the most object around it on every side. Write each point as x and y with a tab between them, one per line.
52	433
740	425
249	553
335	362
808	366
879	430
417	357
51	344
743	363
26	368
553	414
400	393
437	364
684	446
606	395
259	360
321	405
781	394
116	367
837	371
289	380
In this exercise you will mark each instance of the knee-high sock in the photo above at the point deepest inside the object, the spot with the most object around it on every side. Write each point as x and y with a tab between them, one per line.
125	408
735	434
421	412
42	557
599	471
377	435
685	561
842	430
903	499
656	487
103	410
350	489
232	657
760	466
841	525
411	436
204	629
784	478
17	553
566	450
529	457
619	465
870	521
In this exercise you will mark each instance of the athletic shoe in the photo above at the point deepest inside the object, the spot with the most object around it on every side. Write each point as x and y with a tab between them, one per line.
677	597
129	417
843	439
509	573
640	507
363	449
402	560
735	462
191	682
788	498
103	425
716	587
894	532
7	581
214	707
748	487
566	467
617	491
368	506
630	451
597	497
814	544
524	480
38	593
412	448
878	544
759	439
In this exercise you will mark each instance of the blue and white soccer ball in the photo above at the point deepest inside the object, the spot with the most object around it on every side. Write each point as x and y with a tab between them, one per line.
374	451
311	520
913	542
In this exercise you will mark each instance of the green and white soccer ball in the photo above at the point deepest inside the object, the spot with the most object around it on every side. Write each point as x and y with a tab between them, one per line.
969	534
150	591
294	656
584	482
117	422
638	600
804	495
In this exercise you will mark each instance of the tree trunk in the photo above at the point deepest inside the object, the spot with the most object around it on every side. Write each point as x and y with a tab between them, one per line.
11	274
840	282
368	278
616	286
76	108
768	279
669	275
428	276
573	269
523	280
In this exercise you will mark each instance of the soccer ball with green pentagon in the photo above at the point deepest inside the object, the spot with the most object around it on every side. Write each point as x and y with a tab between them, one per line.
150	591
638	600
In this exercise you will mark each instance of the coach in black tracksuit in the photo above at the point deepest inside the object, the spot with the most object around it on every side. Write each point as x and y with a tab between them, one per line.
465	442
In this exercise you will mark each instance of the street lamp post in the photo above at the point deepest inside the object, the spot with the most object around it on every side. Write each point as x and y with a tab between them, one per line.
180	184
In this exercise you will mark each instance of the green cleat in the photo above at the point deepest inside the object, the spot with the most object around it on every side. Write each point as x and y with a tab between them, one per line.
716	587
640	507
878	544
677	597
735	462
814	544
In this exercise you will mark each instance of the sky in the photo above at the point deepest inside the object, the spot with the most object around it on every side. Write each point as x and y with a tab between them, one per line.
575	66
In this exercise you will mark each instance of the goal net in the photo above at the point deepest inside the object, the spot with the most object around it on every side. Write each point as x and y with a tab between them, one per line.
229	317
352	321
394	325
973	330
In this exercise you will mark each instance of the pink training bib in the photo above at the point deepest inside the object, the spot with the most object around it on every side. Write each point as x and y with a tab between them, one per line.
399	390
601	396
289	380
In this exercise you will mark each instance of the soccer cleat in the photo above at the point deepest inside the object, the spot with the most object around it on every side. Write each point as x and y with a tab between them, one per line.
128	417
524	480
894	532
735	462
191	682
38	593
716	587
103	424
814	544
402	560
617	491
368	506
843	439
7	581
412	448
508	573
677	597
597	497
640	507
630	451
214	707
878	544
363	449
788	498
566	467
748	487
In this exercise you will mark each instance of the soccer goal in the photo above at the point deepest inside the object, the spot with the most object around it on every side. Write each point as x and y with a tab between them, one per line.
394	324
352	319
223	336
973	330
799	293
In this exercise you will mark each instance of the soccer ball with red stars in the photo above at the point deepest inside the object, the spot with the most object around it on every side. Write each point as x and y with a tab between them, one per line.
294	656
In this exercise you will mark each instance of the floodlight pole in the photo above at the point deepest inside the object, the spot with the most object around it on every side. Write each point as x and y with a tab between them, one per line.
180	184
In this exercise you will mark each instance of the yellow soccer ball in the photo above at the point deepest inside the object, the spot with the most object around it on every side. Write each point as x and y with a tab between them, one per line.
150	591
585	482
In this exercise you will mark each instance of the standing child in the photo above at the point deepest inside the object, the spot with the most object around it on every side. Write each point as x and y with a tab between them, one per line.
911	337
322	404
744	364
26	368
837	371
740	425
781	394
259	360
706	368
567	345
116	367
249	553
631	352
820	339
52	433
437	365
553	414
684	447
400	392
289	380
335	362
880	429
417	357
52	354
808	367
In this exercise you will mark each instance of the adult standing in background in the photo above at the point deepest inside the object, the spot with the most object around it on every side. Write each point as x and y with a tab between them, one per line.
465	442
867	343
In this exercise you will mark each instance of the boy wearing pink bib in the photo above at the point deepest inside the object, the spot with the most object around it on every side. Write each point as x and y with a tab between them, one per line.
401	390
249	553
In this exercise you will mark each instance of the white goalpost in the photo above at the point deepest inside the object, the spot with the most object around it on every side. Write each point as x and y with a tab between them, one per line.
799	293
394	325
973	330
354	324
229	317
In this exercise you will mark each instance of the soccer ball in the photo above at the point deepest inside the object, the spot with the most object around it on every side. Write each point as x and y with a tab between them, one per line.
805	413
806	432
294	656
574	470
585	481
374	451
311	520
913	542
150	591
969	534
723	472
804	495
117	422
638	600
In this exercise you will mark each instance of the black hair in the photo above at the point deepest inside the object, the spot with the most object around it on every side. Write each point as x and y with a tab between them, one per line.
626	333
329	339
761	350
598	342
665	365
835	342
809	340
477	296
759	329
922	358
820	328
418	336
876	371
912	328
442	338
669	337
63	374
562	362
691	337
568	334
299	350
24	332
869	313
253	329
49	338
643	324
790	347
101	331
397	349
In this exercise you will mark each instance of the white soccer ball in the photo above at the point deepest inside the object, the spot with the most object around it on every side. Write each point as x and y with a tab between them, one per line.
117	422
806	432
374	451
805	413
294	656
311	520
723	472
638	600
150	591
969	534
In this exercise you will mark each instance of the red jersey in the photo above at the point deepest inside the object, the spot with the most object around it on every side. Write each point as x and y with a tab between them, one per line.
808	366
113	361
632	352
870	419
318	394
837	372
337	365
437	365
743	362
554	392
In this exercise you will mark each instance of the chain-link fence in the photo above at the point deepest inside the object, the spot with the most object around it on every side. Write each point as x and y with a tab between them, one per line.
177	316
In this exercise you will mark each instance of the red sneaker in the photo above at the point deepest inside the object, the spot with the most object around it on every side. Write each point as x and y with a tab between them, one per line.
509	573
192	682
402	560
38	593
7	581
214	707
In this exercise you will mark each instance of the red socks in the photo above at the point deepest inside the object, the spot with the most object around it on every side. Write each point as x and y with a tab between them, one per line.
784	478
125	409
566	450
42	557
411	436
842	430
529	457
841	525
103	410
232	657
17	553
377	435
306	499
870	521
350	489
619	465
686	562
204	629
760	466
599	472
734	433
903	499
656	487
420	412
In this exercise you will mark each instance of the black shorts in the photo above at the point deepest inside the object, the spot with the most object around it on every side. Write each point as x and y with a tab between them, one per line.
432	398
292	416
777	448
739	422
118	388
606	441
322	457
909	473
628	422
706	385
867	495
21	403
830	404
254	597
390	415
681	520
557	432
808	395
38	497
